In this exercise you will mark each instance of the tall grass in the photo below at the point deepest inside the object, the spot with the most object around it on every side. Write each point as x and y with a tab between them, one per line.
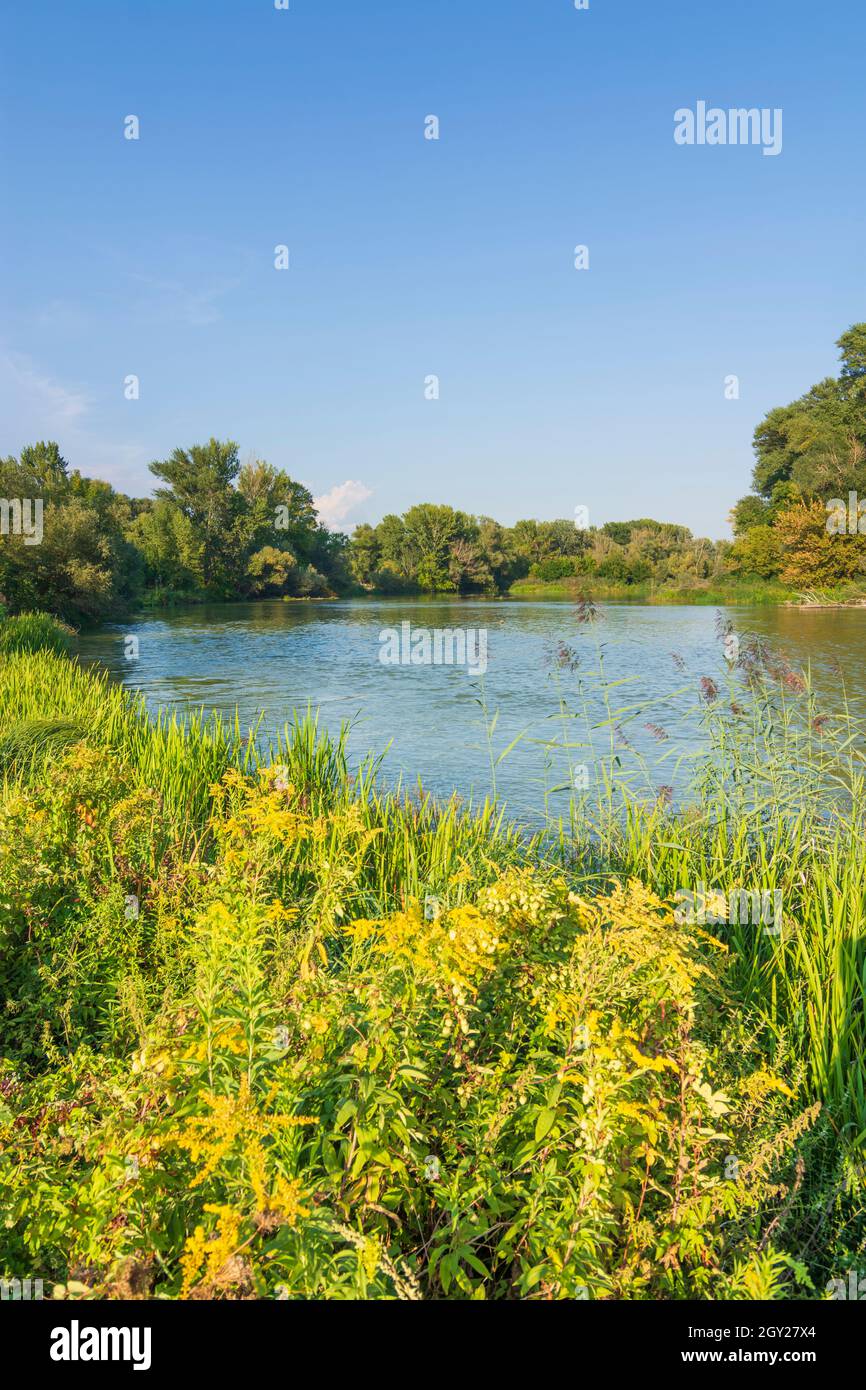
288	898
34	632
46	701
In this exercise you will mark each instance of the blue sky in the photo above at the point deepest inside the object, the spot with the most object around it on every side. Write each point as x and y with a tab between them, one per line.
411	257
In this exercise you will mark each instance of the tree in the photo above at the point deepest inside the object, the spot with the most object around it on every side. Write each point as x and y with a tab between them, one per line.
759	552
394	546
750	511
497	546
172	550
430	532
467	566
271	570
812	554
82	566
819	441
200	484
365	553
852	347
45	469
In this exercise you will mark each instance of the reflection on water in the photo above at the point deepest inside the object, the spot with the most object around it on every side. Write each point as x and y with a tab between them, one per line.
273	658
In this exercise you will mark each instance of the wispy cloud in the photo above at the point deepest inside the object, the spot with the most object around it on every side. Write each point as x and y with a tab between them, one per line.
172	301
334	506
35	405
38	395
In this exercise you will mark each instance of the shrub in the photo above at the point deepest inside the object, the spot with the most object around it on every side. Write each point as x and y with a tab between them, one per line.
556	567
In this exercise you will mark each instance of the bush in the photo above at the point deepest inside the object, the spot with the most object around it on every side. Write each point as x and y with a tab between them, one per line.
555	567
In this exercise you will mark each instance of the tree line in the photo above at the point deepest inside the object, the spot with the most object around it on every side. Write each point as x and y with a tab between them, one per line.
436	548
215	528
221	529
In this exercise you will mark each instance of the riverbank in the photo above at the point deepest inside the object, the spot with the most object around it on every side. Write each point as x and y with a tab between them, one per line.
271	1029
719	595
741	593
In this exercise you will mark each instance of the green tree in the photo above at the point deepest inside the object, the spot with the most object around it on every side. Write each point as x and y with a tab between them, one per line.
199	482
758	552
170	546
365	553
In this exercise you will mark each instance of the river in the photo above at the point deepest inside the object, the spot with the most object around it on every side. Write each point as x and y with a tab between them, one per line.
273	658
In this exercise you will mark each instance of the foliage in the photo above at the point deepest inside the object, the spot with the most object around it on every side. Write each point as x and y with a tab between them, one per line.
272	1033
215	529
806	454
436	548
812	555
82	567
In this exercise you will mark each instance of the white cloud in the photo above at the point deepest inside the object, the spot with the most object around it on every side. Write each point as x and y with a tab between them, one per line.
36	396
334	506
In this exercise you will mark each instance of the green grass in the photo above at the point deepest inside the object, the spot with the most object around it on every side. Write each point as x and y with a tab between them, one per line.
712	593
33	632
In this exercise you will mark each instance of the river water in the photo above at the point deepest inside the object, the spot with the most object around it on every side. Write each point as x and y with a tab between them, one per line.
272	658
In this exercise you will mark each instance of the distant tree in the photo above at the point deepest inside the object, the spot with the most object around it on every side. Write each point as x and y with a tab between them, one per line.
430	533
394	546
528	542
553	568
82	567
852	346
271	570
750	511
497	546
614	567
45	468
468	568
199	482
172	550
365	554
819	441
619	531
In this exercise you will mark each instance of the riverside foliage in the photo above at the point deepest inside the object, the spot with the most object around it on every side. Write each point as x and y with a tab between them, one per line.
269	1031
220	529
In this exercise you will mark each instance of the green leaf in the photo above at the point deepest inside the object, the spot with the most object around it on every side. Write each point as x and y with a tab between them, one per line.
544	1123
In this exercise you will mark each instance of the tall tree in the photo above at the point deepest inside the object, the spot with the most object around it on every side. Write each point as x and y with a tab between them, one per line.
200	483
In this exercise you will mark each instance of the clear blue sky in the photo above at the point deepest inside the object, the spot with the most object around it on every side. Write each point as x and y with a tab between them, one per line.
412	257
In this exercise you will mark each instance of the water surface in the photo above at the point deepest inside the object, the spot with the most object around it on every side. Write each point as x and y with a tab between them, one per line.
273	658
